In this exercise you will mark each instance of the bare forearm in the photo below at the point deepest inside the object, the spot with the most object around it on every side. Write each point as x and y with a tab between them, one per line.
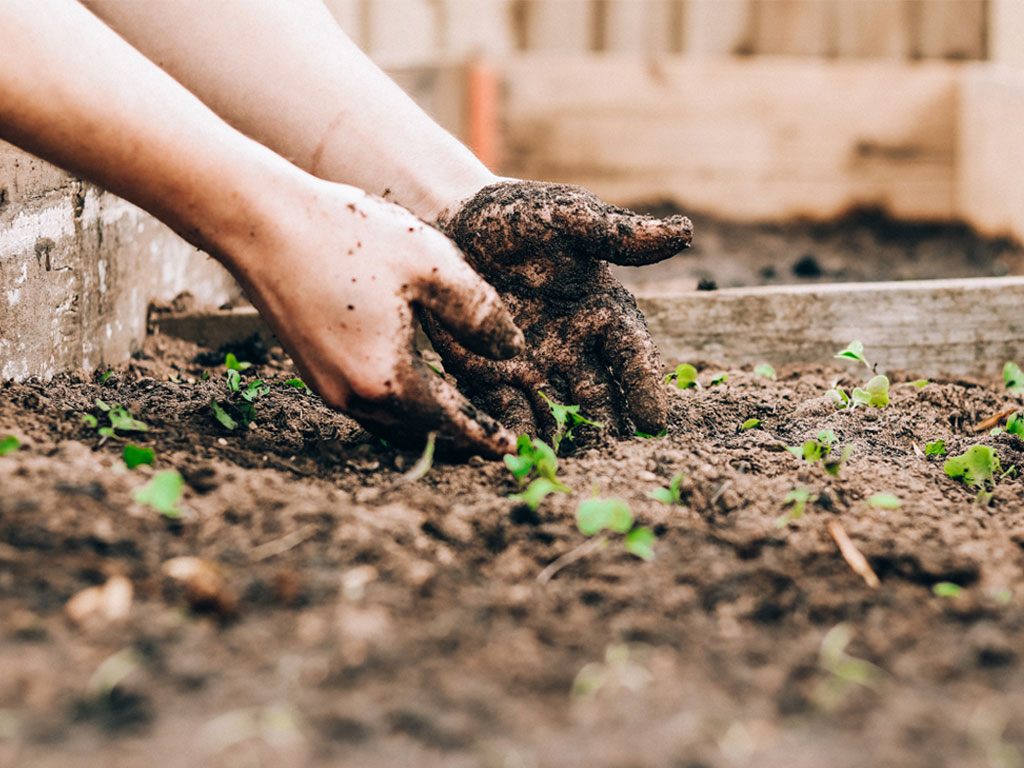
73	92
284	73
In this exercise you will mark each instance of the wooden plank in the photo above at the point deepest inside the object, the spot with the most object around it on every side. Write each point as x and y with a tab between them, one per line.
1006	31
639	26
717	27
929	327
991	150
750	139
873	29
472	29
795	27
559	26
949	29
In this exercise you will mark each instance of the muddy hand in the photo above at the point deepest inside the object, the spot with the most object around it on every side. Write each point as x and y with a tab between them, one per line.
545	247
338	280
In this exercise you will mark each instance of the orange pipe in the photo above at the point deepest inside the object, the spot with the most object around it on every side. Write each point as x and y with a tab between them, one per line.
482	113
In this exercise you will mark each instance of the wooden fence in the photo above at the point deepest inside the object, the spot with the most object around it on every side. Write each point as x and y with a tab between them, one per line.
405	32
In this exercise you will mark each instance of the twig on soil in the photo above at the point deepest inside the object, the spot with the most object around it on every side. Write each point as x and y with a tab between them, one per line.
995	419
570	557
279	546
852	555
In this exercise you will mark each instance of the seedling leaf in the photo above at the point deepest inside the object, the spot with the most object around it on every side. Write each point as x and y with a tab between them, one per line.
685	376
105	376
766	371
566	417
670	495
594	515
121	419
537	491
1015	424
799	498
222	415
884	500
134	455
946	589
1014	378
749	424
297	383
101	405
978	464
854	351
838	396
234	379
638	433
935	448
232	363
162	493
89	420
719	379
832	466
875	393
640	542
920	383
9	445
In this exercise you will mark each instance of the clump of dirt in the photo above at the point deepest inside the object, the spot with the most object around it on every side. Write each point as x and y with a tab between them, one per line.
866	245
377	621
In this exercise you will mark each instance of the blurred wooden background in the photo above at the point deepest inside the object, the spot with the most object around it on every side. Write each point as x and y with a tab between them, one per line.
405	32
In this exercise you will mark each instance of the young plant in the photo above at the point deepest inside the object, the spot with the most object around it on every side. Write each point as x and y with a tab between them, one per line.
946	589
884	500
9	445
749	424
297	383
670	495
232	363
596	515
135	455
646	436
567	418
118	417
1014	426
978	467
1013	376
685	377
875	393
935	448
843	671
162	493
719	379
838	396
854	351
821	449
534	457
242	406
766	371
799	498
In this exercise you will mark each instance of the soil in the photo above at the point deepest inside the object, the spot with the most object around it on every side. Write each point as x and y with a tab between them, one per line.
342	616
864	246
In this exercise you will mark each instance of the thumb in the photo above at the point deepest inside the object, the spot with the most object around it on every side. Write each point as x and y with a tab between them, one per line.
468	307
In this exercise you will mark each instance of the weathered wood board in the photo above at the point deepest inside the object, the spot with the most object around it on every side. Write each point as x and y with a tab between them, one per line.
929	327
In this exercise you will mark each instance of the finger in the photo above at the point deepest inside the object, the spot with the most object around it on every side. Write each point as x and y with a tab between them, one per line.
629	350
424	402
468	307
630	239
510	404
597	395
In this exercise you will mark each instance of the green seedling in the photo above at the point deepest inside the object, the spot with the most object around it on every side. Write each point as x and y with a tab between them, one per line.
838	396
232	363
935	448
244	403
538	490
646	436
205	376
9	445
920	383
814	450
749	424
567	418
765	371
596	515
1013	376
978	467
843	671
534	457
105	376
1014	426
135	455
719	379
854	351
297	383
875	393
799	498
162	493
884	500
424	463
833	464
670	495
222	416
685	377
119	417
946	589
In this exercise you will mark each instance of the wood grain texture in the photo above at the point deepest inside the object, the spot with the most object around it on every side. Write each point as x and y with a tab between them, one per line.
929	327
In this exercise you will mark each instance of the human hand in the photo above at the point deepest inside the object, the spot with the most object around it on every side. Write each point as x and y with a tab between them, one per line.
336	275
544	247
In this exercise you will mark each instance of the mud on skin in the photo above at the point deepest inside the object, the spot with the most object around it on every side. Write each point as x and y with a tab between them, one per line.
544	247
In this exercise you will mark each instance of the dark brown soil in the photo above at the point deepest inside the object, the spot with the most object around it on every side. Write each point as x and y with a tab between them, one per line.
864	246
363	621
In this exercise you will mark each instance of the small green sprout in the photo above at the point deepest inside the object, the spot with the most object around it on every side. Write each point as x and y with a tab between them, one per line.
646	436
833	465
838	396
538	490
721	378
205	376
884	500
222	416
670	495
297	383
920	383
162	493
875	393
105	376
946	589
1003	594
685	376
749	424
121	419
596	515
977	466
854	351
234	379
423	463
233	364
1014	426
1013	376
134	455
844	671
9	445
799	498
567	418
534	456
765	371
89	420
813	450
935	448
102	406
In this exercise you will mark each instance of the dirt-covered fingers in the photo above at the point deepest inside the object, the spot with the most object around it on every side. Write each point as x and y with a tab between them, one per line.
634	358
597	394
466	305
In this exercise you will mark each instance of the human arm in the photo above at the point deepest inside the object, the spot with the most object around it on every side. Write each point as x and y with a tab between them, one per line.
334	270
